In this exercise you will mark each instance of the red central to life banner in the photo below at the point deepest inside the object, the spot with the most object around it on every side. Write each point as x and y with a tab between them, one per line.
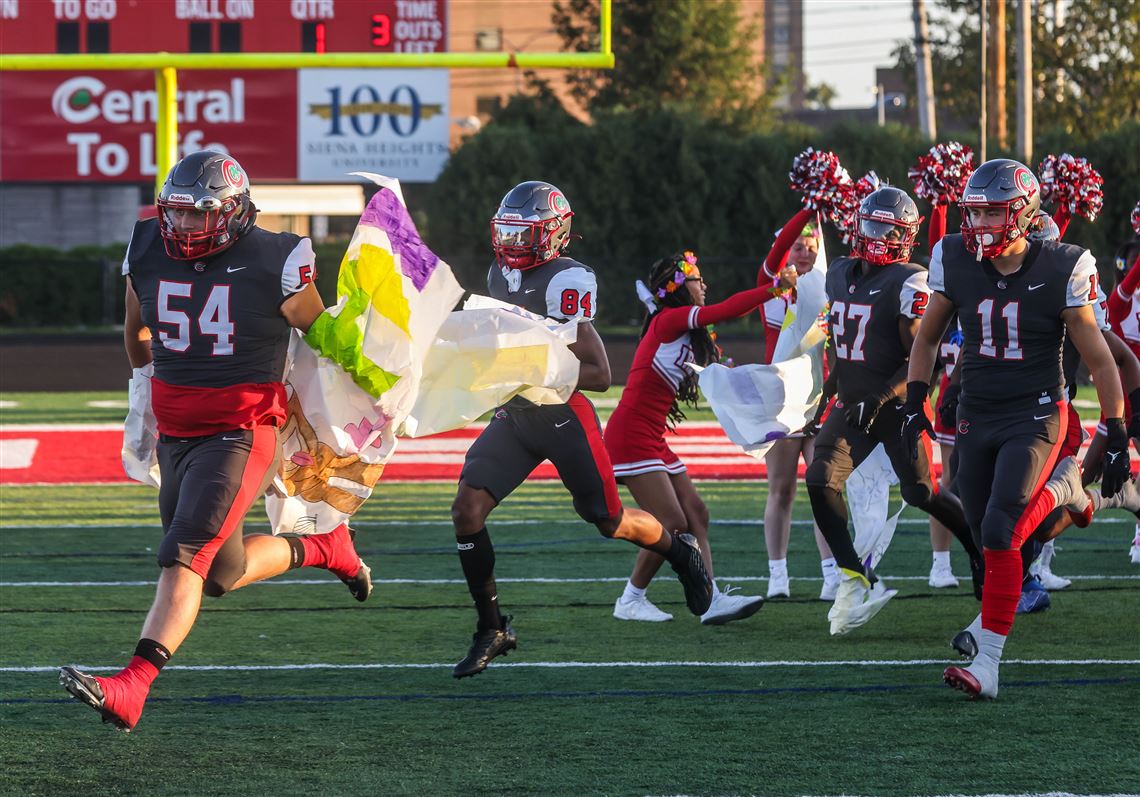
99	126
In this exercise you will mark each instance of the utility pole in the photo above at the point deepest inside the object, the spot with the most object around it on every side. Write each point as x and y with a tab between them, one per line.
924	73
996	89
1024	81
982	121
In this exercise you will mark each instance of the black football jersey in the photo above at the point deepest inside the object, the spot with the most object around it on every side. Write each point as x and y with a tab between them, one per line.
863	322
561	289
1012	331
217	322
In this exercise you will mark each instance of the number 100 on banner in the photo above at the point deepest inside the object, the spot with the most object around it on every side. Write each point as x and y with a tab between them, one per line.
389	121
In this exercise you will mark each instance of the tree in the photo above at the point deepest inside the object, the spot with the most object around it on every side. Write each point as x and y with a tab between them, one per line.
693	55
1086	70
820	95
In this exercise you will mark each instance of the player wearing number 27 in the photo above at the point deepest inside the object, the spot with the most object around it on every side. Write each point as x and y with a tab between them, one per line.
877	298
211	300
1016	301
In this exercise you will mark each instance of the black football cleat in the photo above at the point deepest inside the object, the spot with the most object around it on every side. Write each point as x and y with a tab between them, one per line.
691	573
86	689
485	646
965	644
360	585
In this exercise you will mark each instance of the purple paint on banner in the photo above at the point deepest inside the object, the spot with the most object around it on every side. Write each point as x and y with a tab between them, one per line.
416	261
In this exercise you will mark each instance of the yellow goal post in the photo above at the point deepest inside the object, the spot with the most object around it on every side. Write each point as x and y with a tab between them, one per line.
166	66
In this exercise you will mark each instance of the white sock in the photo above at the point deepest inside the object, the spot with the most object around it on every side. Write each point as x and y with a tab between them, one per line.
1046	555
975	627
829	569
942	559
632	593
990	644
777	567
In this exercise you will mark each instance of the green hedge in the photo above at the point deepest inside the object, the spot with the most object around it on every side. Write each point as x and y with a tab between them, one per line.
641	185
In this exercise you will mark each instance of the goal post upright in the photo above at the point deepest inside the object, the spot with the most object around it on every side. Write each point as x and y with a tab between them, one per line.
166	66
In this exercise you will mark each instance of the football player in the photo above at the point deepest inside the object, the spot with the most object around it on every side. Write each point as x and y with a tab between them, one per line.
877	298
529	233
1016	301
211	301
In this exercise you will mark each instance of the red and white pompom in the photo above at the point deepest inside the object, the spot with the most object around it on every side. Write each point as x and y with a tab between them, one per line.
824	183
940	175
1071	182
847	210
1136	219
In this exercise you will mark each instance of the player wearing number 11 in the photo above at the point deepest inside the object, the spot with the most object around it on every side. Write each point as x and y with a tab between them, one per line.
211	299
1016	301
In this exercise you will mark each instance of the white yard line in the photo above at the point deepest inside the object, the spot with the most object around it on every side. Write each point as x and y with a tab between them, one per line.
284	582
589	665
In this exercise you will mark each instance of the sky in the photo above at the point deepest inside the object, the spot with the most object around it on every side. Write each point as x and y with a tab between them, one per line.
844	40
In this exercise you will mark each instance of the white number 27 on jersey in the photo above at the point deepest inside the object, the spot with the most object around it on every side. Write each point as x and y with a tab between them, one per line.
214	320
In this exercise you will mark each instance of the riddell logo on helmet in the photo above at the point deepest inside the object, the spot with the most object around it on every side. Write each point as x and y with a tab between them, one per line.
187	198
882	214
975	198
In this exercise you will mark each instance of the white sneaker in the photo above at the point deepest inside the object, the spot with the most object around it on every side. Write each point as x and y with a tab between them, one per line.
856	602
980	679
829	589
941	576
779	586
725	607
640	609
1134	554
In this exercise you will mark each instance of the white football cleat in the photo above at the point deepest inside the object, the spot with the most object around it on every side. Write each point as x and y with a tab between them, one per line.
640	609
856	602
941	577
980	679
726	607
779	586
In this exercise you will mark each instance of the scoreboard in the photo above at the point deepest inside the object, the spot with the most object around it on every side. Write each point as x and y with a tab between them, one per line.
227	26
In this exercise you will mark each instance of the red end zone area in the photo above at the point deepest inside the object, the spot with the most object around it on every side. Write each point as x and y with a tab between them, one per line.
89	453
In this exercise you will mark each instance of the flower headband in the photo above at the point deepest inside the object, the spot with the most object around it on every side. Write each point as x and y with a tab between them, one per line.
686	266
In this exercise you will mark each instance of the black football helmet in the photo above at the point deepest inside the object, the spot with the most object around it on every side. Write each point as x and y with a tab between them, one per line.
1043	228
214	184
886	227
1005	185
531	226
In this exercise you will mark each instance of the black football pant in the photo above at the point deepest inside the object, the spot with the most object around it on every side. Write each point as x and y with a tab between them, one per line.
840	448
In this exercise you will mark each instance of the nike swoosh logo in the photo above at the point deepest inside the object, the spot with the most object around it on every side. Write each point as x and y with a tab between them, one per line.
530	290
231	439
231	269
872	293
560	425
1035	287
1040	417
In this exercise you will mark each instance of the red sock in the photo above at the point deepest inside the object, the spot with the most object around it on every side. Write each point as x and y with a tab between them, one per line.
332	551
1041	505
1001	590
